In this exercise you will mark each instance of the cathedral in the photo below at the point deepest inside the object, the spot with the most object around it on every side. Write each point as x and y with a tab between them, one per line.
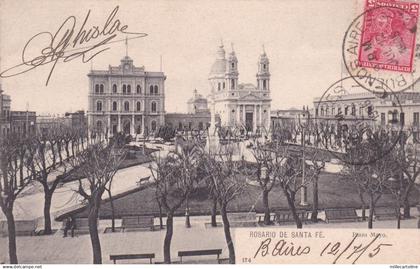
237	104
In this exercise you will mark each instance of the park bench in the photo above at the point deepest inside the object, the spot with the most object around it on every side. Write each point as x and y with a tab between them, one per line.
247	219
340	215
384	213
149	256
286	216
203	252
22	227
138	222
261	218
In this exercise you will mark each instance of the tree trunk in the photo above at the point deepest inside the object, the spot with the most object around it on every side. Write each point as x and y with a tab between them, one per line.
168	238
47	214
21	171
111	200
291	202
266	207
228	237
54	160
93	231
72	149
371	209
60	156
66	147
314	215
363	205
406	206
214	213
160	215
12	235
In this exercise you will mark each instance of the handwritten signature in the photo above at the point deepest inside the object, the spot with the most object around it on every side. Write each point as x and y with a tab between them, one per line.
351	251
69	43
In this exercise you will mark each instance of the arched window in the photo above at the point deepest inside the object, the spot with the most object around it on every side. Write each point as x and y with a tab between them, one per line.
138	106
126	106
153	126
129	88
138	89
99	106
114	106
151	89
114	88
156	90
102	88
232	84
224	85
153	106
218	86
264	84
124	88
97	88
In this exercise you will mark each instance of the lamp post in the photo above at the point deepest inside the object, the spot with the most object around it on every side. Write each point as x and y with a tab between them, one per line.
303	125
395	188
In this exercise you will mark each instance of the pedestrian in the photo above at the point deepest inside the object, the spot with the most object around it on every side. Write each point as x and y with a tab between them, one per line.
70	225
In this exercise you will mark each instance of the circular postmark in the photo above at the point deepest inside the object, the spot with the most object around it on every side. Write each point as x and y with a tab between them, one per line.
346	115
382	44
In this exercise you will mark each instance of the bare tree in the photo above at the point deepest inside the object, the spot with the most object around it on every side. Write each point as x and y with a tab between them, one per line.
265	178
226	184
10	187
175	178
98	164
370	177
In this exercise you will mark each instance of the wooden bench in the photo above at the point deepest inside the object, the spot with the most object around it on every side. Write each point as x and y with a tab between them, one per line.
248	219
203	252
149	256
22	227
286	216
138	222
340	215
384	213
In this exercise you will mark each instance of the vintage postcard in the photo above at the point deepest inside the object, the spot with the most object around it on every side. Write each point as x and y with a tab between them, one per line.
209	132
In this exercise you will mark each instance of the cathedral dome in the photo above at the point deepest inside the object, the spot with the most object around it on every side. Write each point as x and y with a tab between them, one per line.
219	66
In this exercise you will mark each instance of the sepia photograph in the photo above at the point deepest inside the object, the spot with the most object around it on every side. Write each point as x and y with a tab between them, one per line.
209	132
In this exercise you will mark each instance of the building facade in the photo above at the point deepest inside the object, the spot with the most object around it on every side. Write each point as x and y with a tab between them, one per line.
23	122
240	104
126	99
399	110
5	103
197	118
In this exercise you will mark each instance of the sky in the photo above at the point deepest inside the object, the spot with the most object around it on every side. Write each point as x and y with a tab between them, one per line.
302	40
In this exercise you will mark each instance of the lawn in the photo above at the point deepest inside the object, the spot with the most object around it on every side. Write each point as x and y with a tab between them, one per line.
333	192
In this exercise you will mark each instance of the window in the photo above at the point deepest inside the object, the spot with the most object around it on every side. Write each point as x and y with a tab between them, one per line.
138	106
97	88
264	84
126	106
102	88
370	110
233	65
153	106
138	89
114	106
316	112
99	125
232	84
128	88
218	86
224	85
264	66
402	118
416	118
99	106
333	111
114	88
346	110
124	88
156	90
353	110
151	89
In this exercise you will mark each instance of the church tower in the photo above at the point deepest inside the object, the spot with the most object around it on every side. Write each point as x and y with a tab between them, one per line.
218	70
232	71
263	75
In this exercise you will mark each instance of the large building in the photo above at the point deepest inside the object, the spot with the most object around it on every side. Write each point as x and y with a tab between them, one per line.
127	99
240	104
5	102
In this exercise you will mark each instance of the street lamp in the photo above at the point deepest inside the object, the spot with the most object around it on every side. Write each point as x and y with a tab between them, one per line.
303	125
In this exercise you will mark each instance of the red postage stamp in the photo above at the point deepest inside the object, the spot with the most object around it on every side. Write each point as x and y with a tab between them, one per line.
389	35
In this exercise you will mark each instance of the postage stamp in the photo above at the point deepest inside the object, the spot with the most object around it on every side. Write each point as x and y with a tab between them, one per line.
389	35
